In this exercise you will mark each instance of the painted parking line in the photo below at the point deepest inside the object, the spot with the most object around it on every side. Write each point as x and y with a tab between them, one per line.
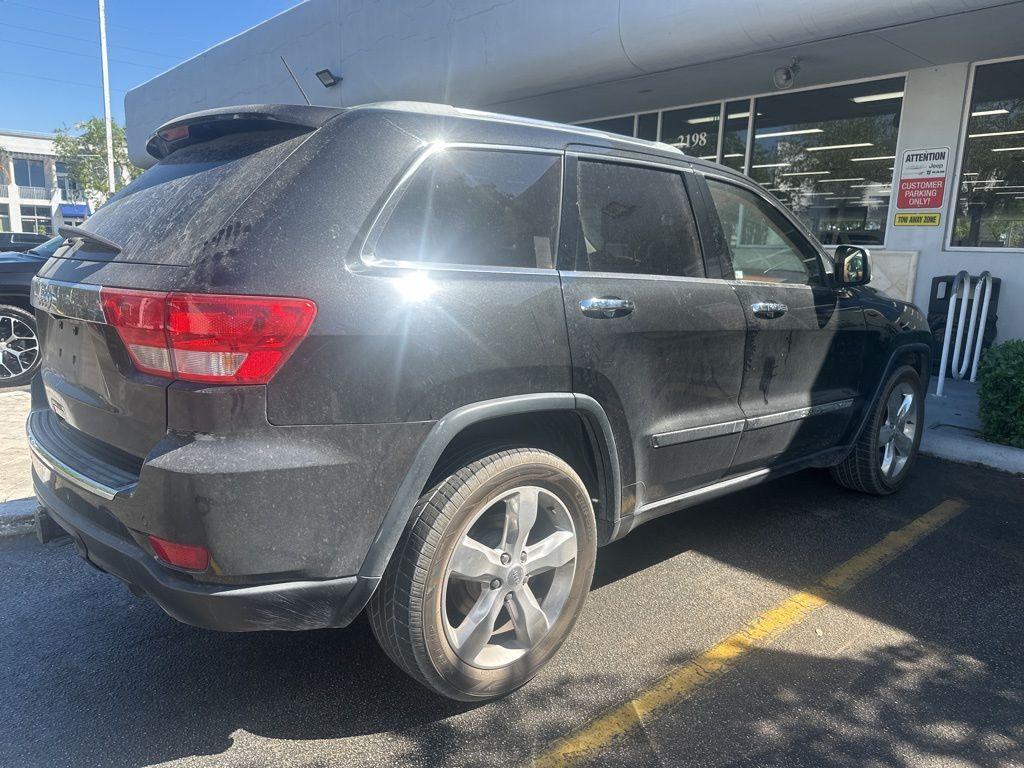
716	661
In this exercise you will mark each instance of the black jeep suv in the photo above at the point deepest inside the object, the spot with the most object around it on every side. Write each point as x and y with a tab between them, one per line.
425	360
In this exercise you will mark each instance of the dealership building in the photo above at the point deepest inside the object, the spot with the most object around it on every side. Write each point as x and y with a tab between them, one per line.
895	125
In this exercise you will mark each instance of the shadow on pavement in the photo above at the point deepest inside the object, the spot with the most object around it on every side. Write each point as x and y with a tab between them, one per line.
93	676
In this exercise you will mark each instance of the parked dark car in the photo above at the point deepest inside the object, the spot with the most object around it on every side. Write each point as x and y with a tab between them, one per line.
20	241
425	361
19	346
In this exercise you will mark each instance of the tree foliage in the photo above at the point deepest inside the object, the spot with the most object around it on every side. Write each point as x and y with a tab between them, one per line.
83	148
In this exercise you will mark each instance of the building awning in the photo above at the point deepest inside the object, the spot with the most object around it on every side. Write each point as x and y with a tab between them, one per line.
75	210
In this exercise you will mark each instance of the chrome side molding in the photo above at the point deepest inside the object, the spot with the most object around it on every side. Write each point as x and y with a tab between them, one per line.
663	439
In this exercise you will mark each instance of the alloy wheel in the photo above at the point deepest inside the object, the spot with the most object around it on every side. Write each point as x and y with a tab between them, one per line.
898	430
509	577
19	347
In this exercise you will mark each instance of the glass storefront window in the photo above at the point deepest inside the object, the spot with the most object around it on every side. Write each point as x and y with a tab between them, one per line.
694	129
5	217
621	125
647	126
989	211
828	154
734	140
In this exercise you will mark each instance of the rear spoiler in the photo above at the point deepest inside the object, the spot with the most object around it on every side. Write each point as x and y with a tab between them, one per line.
210	123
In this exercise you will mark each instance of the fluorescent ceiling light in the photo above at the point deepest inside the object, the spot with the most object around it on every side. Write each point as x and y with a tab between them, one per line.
698	120
984	181
807	173
877	97
708	157
734	154
1007	193
993	133
799	132
1008	149
874	184
770	165
832	181
866	159
969	173
840	146
984	112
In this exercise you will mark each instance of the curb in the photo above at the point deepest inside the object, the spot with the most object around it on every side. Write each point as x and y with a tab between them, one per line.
17	517
962	447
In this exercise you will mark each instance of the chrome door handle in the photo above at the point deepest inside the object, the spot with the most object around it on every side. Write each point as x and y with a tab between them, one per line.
606	307
768	310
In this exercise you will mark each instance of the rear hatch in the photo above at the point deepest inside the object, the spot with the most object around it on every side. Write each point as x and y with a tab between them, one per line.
148	236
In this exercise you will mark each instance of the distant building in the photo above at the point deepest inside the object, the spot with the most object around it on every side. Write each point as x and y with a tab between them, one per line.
36	192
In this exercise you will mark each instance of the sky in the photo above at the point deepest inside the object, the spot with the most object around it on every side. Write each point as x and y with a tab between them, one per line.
50	51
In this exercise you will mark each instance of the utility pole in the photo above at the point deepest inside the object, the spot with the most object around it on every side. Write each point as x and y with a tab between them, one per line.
106	96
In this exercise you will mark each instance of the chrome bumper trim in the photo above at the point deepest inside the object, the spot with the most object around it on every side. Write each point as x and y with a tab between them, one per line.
73	476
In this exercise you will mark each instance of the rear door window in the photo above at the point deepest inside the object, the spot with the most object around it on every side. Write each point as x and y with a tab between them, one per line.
493	208
635	220
763	244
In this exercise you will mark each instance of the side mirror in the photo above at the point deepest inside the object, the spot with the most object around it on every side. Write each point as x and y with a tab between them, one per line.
853	265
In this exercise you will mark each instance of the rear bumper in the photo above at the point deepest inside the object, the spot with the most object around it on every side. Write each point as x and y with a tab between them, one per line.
290	605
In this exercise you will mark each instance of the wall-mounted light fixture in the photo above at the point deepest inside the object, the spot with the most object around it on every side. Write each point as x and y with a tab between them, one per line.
327	78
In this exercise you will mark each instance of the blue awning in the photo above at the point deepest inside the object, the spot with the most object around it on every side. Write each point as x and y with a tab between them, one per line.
76	210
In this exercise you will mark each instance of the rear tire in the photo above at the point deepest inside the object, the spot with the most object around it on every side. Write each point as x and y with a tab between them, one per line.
19	346
886	451
457	608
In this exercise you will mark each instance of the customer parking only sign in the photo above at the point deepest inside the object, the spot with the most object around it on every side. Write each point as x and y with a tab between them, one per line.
922	187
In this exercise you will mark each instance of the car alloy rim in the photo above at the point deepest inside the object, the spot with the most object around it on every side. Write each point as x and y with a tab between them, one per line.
898	430
19	347
509	577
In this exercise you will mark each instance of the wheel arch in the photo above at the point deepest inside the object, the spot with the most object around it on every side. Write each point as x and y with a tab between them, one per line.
915	354
466	432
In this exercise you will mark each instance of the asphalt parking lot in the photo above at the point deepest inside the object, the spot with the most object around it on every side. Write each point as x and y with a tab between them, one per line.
918	660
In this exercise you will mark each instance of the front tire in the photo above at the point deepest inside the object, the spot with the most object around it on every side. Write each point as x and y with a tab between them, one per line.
490	577
19	346
886	451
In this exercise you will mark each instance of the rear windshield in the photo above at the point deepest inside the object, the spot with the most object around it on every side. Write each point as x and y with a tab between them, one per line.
165	215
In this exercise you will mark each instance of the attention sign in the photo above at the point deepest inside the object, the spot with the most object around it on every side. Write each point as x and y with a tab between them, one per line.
922	185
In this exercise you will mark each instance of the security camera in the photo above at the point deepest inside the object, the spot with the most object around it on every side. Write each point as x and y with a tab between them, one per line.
784	77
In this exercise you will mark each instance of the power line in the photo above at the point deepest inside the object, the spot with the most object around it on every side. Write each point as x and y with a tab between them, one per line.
91	42
60	80
90	19
83	55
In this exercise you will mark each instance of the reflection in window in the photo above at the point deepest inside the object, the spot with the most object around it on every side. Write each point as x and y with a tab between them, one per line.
828	154
5	217
734	141
635	220
763	245
989	209
694	130
620	125
477	207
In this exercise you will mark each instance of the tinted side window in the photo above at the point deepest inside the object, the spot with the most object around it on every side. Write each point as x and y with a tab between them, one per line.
479	207
635	220
763	245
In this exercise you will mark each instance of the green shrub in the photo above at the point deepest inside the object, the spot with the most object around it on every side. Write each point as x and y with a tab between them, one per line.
1001	393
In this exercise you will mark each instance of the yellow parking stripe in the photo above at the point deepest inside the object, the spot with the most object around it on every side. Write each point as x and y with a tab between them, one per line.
716	661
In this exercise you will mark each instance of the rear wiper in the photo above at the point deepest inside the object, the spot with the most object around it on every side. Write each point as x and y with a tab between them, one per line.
97	240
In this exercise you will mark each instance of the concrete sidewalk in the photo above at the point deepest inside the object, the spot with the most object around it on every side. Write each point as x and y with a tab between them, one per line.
953	429
17	500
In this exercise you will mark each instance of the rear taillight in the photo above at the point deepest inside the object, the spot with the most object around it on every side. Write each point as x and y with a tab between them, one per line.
222	339
191	557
